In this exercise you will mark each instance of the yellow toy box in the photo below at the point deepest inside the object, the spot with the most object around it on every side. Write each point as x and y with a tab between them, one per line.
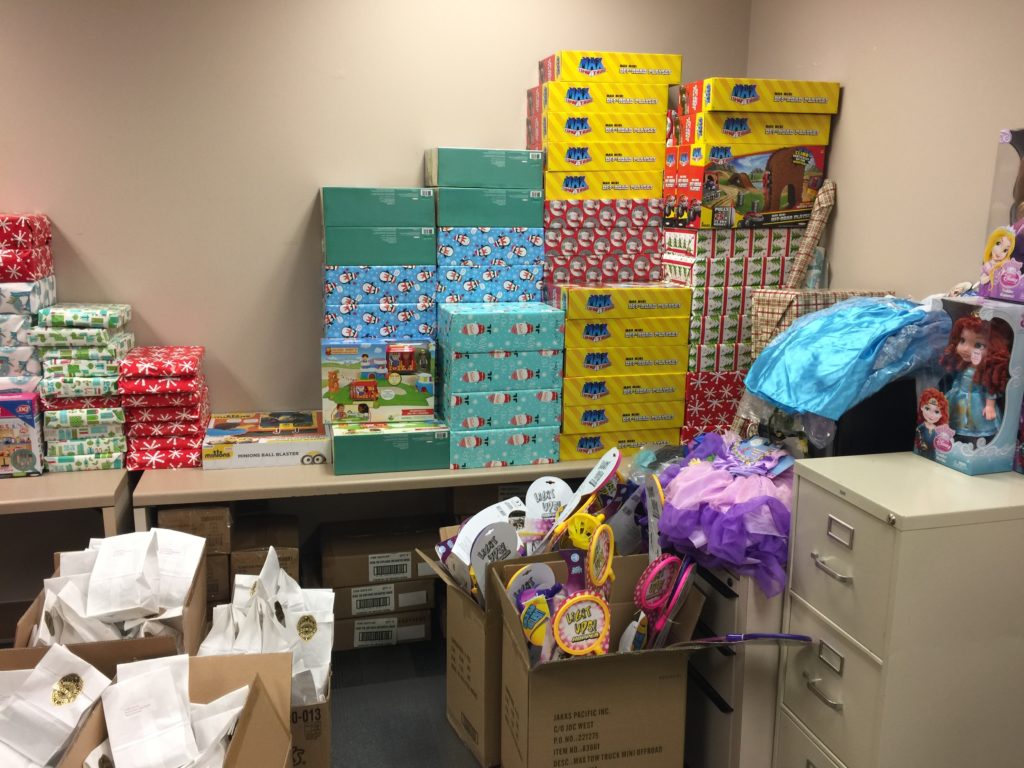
587	446
623	331
745	94
764	128
598	418
583	362
649	388
594	98
582	302
611	67
604	156
603	185
642	127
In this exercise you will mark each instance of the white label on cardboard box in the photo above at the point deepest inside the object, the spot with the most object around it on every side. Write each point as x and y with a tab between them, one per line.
410	599
392	566
379	599
372	632
424	571
412	632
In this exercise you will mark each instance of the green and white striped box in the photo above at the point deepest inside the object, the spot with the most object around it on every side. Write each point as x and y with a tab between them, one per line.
78	386
84	463
83	433
116	349
83	417
84	447
70	337
67	369
66	315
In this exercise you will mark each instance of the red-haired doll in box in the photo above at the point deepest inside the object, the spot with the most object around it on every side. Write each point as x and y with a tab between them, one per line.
978	361
933	412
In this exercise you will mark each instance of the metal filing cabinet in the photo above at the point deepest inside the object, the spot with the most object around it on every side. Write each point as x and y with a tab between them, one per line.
910	578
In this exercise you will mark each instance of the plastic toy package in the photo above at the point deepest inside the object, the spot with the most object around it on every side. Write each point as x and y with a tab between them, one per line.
1002	270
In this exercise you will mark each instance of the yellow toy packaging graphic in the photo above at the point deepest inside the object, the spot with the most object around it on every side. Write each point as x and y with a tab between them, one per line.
582	302
543	128
587	446
595	98
603	185
745	94
598	418
611	67
623	331
584	362
755	128
604	156
650	388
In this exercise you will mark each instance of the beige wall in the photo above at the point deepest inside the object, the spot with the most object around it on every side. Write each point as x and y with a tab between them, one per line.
178	146
926	88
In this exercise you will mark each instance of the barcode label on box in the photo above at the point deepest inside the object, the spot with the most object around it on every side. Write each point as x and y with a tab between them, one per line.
371	632
379	599
393	566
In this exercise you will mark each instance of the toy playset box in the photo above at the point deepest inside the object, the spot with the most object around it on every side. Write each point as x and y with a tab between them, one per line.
271	439
21	439
755	128
1002	270
611	67
543	128
625	300
744	94
604	156
597	98
375	381
602	185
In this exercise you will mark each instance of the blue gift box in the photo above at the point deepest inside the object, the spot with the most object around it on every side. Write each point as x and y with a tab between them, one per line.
402	283
502	370
499	246
490	283
511	325
503	447
390	321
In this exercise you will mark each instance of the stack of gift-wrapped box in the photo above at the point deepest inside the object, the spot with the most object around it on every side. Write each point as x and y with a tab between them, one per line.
625	367
750	159
600	116
166	406
27	285
377	356
81	346
501	383
490	212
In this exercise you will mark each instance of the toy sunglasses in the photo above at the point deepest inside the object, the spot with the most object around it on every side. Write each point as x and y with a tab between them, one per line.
661	592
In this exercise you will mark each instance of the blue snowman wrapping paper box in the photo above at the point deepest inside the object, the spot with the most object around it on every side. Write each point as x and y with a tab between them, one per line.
489	246
405	284
490	283
380	321
487	327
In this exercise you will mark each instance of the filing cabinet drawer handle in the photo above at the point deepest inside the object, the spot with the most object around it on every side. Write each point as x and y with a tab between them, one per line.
812	686
819	561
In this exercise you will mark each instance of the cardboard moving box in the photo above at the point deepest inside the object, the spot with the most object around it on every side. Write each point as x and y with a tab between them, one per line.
372	599
353	558
218	579
251	562
254	535
373	631
213	523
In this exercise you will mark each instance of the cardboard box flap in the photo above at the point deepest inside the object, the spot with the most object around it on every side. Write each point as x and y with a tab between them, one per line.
439	570
213	676
261	736
105	656
89	735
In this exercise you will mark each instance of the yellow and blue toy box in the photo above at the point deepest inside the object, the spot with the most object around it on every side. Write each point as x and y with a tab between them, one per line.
603	185
623	331
543	128
611	67
483	448
747	94
502	370
622	417
582	362
517	325
580	447
598	98
604	156
504	410
633	300
755	128
653	387
265	439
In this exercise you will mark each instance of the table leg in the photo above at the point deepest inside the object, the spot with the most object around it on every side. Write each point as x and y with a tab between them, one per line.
116	517
141	519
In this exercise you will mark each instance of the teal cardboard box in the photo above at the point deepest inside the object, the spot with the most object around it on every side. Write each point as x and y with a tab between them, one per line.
465	207
380	246
368	448
505	370
377	206
503	447
519	325
488	168
504	410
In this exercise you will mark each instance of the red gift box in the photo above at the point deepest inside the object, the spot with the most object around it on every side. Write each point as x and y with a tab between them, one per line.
592	269
142	429
603	213
728	383
151	386
164	400
570	241
171	459
25	264
687	433
712	398
140	445
73	403
24	230
149	415
157	362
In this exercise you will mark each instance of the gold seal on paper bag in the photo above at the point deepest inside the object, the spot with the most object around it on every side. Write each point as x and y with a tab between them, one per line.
306	627
66	690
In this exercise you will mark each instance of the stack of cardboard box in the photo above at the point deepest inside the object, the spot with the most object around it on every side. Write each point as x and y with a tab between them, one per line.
601	118
489	223
625	367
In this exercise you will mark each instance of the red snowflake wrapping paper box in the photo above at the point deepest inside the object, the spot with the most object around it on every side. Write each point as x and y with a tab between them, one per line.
142	444
149	415
163	400
74	403
24	230
161	362
712	398
143	429
172	459
25	265
161	386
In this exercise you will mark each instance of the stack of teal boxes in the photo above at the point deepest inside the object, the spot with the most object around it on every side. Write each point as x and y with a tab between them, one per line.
380	320
502	382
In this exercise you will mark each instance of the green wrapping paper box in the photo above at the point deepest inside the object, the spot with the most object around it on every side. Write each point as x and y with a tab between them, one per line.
487	168
85	462
380	246
83	417
71	337
78	386
68	369
86	446
83	433
85	315
462	207
377	206
115	349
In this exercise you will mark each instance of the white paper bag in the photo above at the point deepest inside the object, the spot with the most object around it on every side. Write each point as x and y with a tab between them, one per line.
76	628
125	581
250	634
76	563
12	758
314	626
213	722
10	681
178	556
148	724
176	665
95	758
43	712
221	640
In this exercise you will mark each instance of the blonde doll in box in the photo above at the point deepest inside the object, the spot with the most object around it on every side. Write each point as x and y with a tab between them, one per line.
997	253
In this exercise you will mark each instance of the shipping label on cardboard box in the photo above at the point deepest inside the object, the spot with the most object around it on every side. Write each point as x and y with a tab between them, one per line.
604	156
375	599
377	381
384	320
720	329
503	410
489	246
623	331
603	185
377	206
653	387
734	300
594	98
588	446
502	370
719	357
27	298
622	417
506	326
568	126
490	283
582	362
385	246
485	448
606	213
409	627
626	301
611	67
755	128
745	94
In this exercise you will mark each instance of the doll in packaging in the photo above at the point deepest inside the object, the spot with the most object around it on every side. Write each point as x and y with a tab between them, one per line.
932	413
1002	269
